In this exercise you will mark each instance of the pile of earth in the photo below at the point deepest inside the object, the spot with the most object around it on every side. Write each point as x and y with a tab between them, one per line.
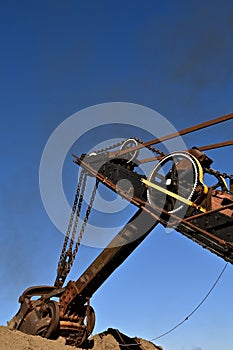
111	339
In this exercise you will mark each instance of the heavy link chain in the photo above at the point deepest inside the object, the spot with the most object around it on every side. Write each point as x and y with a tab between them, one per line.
85	220
67	256
115	145
63	252
151	148
81	195
218	173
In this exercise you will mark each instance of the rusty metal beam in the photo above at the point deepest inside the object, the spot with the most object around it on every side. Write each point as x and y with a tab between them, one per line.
175	134
216	145
212	211
122	245
201	148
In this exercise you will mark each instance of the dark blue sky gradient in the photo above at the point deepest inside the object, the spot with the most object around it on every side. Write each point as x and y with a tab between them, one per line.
58	57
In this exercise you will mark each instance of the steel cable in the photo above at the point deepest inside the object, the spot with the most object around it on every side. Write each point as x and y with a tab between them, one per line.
190	314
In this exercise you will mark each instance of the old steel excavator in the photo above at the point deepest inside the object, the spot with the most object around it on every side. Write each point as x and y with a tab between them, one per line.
174	194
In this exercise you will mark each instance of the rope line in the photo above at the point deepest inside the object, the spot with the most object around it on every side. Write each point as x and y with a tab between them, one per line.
190	314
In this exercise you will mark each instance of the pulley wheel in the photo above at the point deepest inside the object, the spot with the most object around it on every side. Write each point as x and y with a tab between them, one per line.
132	155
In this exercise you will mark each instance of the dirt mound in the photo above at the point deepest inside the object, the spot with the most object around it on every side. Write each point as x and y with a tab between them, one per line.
115	340
111	339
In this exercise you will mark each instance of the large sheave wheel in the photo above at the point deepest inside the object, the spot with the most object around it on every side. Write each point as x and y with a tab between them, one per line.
178	173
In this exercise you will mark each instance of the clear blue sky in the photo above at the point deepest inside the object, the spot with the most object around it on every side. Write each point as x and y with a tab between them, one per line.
58	57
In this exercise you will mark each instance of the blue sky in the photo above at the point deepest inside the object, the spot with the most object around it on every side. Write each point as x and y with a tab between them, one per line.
58	57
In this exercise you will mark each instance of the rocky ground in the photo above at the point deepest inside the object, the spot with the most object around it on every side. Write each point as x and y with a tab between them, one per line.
111	339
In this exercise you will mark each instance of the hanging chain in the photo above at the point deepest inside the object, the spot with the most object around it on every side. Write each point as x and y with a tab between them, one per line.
82	190
67	256
85	220
63	252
